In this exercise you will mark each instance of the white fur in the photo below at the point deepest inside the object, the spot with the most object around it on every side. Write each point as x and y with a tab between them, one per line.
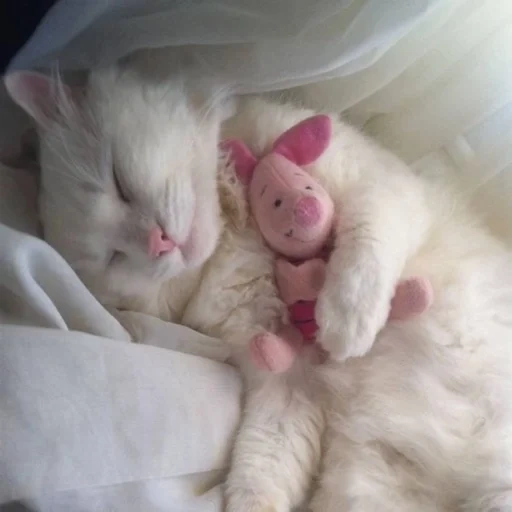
421	420
161	137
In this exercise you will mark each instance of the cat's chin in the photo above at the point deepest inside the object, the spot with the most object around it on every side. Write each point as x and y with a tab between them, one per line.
189	257
198	247
189	253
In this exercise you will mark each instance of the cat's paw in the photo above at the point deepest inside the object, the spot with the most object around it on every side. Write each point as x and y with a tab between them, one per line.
253	495
249	501
347	335
350	311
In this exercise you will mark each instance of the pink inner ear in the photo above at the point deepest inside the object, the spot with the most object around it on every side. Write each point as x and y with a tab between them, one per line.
306	141
244	160
35	93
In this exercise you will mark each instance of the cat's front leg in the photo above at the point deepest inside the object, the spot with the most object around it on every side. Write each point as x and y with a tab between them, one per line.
277	448
380	226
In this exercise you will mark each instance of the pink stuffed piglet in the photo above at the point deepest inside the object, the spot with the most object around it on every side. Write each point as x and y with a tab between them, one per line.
295	215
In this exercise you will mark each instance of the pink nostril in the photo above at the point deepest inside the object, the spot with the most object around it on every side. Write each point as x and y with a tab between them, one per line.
159	243
307	212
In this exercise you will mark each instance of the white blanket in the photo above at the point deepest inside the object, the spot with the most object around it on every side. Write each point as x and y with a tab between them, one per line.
98	423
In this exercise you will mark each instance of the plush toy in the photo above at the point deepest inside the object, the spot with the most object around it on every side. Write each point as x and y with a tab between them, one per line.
295	215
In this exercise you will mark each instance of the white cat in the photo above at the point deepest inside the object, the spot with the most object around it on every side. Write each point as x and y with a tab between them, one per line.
407	417
128	188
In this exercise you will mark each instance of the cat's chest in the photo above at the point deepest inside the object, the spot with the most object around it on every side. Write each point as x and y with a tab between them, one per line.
237	290
177	293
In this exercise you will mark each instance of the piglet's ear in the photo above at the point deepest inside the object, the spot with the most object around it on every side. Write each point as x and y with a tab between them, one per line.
37	94
241	155
306	141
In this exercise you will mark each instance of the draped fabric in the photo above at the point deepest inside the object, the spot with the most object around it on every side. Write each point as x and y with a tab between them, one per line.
258	45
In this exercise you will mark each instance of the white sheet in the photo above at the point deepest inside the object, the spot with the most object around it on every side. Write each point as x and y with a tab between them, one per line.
84	417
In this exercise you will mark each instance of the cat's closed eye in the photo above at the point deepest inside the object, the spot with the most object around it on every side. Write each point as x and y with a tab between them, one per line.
115	257
121	192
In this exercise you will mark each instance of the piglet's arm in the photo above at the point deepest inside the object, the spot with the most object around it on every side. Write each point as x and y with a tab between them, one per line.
380	226
299	282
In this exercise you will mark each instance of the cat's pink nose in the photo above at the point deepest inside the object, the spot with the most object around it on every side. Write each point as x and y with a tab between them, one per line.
307	212
159	243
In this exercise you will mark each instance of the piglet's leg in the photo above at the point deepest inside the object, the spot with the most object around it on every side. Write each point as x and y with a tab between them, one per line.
413	296
276	352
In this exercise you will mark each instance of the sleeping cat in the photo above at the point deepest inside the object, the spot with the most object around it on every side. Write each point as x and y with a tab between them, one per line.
407	417
128	186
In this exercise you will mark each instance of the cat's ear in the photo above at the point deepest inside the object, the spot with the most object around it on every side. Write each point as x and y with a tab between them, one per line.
242	157
37	94
212	100
306	141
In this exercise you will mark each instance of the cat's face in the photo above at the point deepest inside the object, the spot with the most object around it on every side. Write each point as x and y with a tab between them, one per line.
129	192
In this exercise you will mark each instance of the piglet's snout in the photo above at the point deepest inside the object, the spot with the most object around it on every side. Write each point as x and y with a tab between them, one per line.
307	212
